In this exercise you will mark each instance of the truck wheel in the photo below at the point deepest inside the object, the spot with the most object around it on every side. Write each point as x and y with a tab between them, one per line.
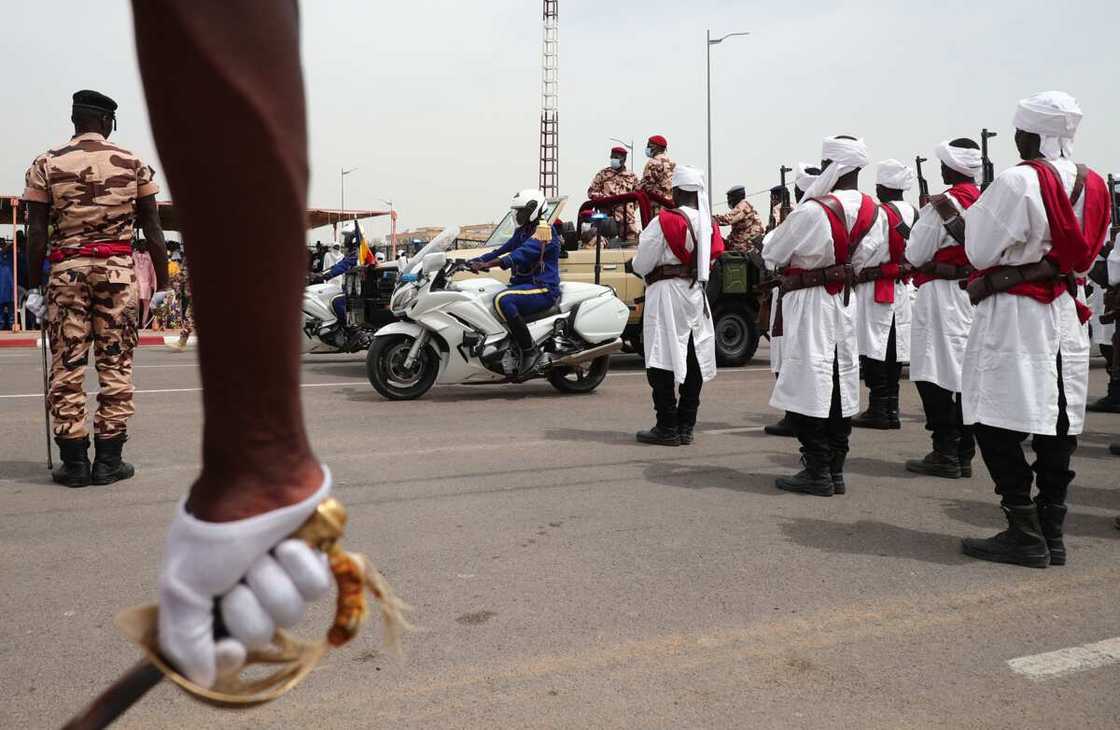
387	372
736	336
580	379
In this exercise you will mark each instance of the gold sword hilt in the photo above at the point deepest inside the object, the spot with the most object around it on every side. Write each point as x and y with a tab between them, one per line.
290	657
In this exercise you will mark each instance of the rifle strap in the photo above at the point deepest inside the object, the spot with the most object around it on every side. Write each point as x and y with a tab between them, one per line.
952	220
1078	184
902	228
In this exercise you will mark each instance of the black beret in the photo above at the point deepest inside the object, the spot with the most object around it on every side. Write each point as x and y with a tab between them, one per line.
737	191
94	101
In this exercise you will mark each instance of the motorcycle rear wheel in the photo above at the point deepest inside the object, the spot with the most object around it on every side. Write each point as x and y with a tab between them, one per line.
580	379
388	375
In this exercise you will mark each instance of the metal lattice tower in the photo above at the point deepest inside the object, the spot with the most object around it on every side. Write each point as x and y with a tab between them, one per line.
550	110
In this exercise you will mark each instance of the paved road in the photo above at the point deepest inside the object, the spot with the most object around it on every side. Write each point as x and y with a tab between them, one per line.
565	576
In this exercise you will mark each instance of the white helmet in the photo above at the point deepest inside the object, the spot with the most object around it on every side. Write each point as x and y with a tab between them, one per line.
527	206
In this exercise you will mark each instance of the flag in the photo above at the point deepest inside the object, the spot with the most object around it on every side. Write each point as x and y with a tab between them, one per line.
365	254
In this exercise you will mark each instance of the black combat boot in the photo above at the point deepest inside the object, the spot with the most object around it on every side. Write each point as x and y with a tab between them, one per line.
686	422
74	470
530	353
814	479
1110	403
662	434
1050	519
964	457
666	432
943	461
875	375
893	421
781	428
1021	543
107	464
1114	449
836	471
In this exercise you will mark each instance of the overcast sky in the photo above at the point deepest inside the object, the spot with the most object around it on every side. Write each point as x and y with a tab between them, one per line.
437	103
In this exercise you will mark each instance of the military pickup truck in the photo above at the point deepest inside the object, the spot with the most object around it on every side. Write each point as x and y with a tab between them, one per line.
733	289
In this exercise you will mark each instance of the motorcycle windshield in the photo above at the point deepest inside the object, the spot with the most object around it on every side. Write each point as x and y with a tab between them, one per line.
442	242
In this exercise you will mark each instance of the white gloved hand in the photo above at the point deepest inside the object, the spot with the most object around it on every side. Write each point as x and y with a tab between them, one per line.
263	582
36	304
158	299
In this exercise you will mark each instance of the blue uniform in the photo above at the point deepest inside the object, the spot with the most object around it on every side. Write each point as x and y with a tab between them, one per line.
534	280
338	304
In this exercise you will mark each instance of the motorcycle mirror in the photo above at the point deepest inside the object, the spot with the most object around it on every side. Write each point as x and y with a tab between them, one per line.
433	262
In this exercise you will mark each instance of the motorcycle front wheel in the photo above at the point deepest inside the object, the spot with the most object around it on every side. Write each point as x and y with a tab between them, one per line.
580	378
385	367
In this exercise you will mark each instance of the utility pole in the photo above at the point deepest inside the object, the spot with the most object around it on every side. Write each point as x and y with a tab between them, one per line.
708	47
549	178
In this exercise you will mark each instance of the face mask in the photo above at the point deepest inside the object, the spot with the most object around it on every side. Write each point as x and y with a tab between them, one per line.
649	152
616	163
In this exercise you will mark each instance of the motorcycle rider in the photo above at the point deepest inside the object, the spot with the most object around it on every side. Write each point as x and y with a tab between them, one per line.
534	281
351	240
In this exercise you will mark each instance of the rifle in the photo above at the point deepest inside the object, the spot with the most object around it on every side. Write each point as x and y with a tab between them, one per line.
923	184
784	210
989	168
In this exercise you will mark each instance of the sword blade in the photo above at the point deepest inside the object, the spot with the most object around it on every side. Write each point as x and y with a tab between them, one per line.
115	701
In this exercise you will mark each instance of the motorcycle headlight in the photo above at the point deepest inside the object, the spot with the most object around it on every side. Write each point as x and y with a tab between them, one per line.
403	298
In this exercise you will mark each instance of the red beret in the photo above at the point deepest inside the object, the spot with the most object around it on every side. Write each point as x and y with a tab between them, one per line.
658	140
618	150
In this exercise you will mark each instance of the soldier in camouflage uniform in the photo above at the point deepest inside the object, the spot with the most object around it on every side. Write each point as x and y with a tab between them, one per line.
186	327
88	193
617	180
657	177
746	227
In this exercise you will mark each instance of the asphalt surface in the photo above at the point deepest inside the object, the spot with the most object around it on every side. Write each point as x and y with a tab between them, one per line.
565	576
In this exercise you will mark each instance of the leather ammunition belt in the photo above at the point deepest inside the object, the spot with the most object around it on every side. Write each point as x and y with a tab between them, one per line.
818	277
101	250
941	270
875	273
1008	277
670	271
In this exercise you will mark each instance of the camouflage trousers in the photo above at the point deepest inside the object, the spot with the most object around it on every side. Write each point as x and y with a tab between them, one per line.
187	328
91	301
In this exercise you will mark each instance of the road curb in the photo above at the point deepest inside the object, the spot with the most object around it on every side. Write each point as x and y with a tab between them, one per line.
145	341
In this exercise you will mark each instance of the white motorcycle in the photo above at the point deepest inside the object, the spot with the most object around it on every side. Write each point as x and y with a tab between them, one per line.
321	331
449	333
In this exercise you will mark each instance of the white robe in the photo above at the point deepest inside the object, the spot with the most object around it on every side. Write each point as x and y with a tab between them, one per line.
818	329
675	309
874	321
1100	334
1010	377
942	312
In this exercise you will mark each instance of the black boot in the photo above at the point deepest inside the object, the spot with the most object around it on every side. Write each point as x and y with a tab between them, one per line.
814	479
875	416
875	375
73	469
107	465
943	461
666	432
1020	544
660	435
530	353
964	458
894	374
1050	519
1111	401
1114	449
686	422
836	470
781	428
893	421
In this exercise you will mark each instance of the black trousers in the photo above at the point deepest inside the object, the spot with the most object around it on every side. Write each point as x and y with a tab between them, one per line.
1002	450
824	441
944	421
882	376
673	411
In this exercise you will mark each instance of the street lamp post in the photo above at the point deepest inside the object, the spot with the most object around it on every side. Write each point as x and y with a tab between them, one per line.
392	226
711	43
343	172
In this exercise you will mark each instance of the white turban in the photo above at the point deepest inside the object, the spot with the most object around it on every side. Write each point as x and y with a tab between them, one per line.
804	177
895	175
846	155
965	160
691	180
1054	116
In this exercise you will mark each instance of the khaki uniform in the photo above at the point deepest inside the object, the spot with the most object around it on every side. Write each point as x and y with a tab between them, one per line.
746	227
609	181
91	186
657	177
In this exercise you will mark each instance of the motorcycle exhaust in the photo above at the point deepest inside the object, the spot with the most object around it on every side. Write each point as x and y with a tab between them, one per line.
578	358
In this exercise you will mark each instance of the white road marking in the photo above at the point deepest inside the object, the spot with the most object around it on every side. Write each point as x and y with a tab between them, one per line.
355	382
1062	662
743	429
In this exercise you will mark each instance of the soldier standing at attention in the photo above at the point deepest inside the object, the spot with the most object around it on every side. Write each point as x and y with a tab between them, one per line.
90	191
746	226
657	176
617	180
